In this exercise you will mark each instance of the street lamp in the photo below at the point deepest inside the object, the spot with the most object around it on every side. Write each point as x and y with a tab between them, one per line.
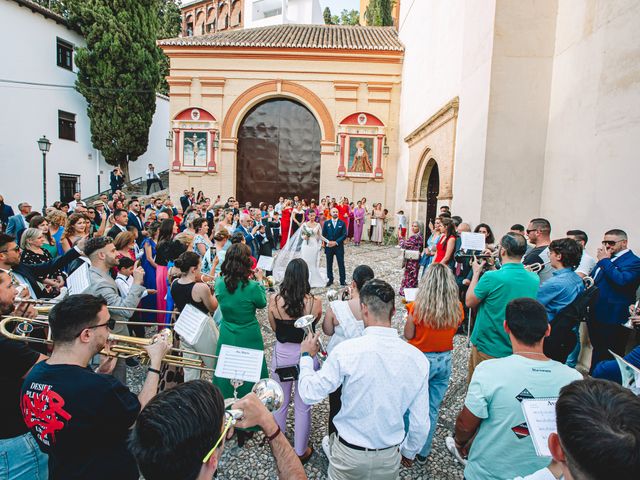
44	145
169	140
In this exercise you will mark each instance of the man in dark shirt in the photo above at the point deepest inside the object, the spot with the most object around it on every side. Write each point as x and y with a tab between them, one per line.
20	453
539	235
81	418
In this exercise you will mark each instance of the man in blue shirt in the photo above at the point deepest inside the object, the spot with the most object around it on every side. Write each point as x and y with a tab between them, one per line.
565	284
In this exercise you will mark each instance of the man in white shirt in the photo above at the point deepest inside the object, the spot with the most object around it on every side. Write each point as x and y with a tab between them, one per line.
152	177
77	200
382	377
280	205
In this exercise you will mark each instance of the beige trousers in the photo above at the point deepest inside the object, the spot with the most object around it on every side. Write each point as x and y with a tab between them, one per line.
475	358
348	464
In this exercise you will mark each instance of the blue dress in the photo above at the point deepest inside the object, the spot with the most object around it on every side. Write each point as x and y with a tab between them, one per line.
149	280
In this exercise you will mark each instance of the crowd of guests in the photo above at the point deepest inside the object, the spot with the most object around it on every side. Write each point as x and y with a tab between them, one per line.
385	391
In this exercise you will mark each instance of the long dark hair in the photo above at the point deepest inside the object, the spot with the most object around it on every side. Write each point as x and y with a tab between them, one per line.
490	237
295	287
165	232
236	267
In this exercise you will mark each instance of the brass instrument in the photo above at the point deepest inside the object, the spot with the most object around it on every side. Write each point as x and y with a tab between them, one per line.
269	392
461	256
334	295
590	282
536	267
305	322
124	347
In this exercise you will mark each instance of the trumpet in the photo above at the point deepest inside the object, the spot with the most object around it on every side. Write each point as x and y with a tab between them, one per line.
125	347
344	294
536	267
305	323
461	256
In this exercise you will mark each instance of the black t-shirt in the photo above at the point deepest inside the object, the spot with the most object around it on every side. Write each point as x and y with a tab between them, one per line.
534	256
81	419
17	359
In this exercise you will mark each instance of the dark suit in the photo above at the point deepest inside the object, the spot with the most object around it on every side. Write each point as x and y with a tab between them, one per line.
185	202
338	235
5	212
617	282
114	231
32	272
253	241
15	226
272	231
136	221
116	182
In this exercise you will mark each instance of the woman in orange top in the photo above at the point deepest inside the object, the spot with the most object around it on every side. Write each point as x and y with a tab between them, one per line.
432	322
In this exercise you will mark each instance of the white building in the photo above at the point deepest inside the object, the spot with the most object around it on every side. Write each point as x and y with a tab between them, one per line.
37	74
526	108
261	13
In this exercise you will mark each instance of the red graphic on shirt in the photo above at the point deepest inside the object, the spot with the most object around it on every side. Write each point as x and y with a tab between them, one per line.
43	411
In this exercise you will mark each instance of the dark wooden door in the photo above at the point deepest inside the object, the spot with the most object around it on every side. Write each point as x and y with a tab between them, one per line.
278	153
433	189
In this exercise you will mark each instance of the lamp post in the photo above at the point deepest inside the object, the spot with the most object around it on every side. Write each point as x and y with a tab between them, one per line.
44	145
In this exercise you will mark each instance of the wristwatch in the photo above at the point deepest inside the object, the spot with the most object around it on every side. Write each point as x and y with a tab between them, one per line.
305	354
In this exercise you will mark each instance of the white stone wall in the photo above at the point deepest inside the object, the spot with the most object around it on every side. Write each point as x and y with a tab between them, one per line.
592	171
28	112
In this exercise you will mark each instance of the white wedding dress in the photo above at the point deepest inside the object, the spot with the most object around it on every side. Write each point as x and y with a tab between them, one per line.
307	249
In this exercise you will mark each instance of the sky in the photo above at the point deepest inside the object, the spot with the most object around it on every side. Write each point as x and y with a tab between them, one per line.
336	6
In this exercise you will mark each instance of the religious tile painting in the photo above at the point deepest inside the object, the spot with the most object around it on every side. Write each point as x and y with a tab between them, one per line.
360	162
194	149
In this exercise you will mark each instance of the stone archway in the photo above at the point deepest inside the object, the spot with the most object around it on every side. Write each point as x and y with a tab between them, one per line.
278	152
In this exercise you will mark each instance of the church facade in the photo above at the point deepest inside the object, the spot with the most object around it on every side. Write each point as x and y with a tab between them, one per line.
308	110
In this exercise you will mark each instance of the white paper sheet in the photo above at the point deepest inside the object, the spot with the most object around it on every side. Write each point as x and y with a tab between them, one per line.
410	294
239	363
190	324
472	241
541	421
265	263
630	374
78	281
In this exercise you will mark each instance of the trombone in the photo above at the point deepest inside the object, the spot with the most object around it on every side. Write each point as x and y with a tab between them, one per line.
536	267
125	347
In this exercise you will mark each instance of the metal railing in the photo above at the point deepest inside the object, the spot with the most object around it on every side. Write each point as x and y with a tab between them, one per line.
130	184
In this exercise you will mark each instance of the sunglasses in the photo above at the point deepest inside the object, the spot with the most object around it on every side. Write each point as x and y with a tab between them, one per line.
228	423
111	323
611	243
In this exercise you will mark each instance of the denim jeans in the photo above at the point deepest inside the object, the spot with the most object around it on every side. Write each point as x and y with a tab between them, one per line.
439	373
21	459
572	359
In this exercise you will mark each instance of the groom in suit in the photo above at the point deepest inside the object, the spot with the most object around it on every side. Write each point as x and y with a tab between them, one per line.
335	231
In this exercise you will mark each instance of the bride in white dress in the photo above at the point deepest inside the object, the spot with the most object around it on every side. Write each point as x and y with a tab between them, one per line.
306	243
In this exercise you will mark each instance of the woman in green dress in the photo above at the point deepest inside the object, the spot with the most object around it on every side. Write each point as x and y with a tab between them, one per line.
238	299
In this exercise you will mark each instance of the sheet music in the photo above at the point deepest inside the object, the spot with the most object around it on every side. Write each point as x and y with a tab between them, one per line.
265	263
78	281
190	324
240	363
472	241
630	374
410	294
540	414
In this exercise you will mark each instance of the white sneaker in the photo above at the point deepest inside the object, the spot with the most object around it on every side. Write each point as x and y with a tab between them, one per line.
451	446
325	446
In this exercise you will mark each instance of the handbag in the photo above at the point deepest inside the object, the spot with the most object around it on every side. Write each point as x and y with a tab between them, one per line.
288	374
411	254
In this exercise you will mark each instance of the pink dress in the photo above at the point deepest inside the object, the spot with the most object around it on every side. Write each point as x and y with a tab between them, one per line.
358	226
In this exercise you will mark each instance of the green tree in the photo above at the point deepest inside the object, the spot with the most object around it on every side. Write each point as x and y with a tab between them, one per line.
326	14
378	13
118	73
349	17
170	24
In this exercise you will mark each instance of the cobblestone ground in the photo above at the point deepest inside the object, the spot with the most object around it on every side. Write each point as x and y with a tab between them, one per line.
254	461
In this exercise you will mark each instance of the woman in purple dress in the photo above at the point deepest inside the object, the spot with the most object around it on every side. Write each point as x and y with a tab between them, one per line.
412	266
350	230
358	222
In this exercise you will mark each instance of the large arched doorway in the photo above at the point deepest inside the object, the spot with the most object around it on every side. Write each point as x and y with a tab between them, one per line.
278	153
429	189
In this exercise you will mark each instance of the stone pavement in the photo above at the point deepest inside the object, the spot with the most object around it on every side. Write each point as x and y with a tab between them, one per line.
254	461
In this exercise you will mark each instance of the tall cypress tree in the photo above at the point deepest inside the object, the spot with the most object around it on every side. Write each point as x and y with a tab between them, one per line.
379	13
119	73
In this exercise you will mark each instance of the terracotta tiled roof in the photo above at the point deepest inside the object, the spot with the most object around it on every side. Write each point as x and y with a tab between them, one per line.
299	36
